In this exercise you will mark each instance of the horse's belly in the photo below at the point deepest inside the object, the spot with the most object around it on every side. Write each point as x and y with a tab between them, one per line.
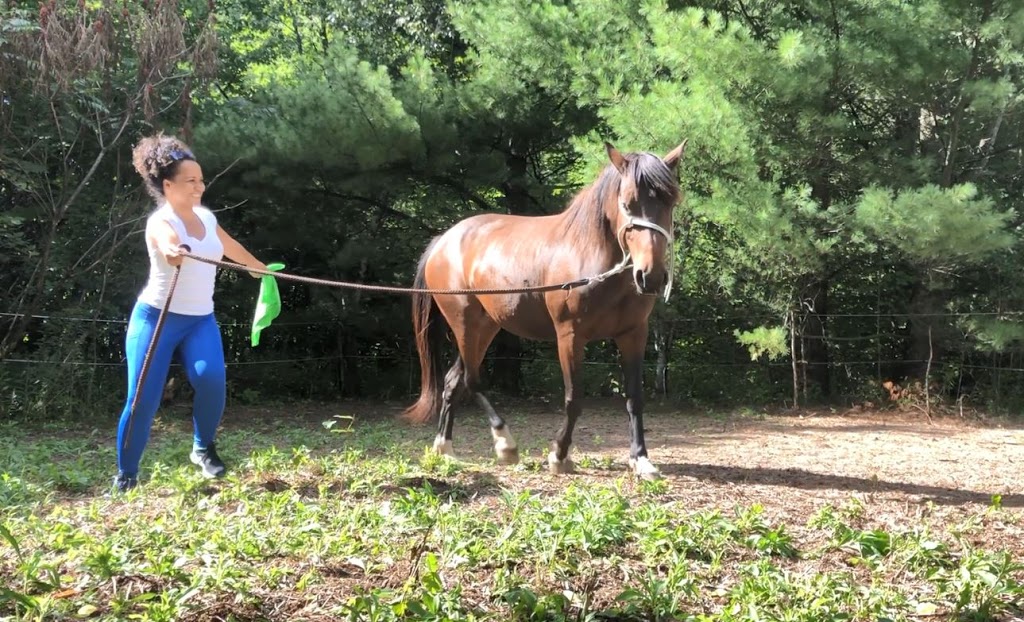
527	329
524	316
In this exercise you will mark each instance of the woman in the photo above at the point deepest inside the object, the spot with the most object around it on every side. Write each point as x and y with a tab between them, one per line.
174	178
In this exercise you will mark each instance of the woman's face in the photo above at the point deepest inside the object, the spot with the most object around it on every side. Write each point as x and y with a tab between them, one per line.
186	188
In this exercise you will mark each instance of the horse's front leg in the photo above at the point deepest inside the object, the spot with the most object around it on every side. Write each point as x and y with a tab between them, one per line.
570	356
631	349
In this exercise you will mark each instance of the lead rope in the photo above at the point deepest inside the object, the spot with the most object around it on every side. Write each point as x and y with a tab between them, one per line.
149	350
240	268
632	221
567	286
411	290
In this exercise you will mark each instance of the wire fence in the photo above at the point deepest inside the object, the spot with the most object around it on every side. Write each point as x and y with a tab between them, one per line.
709	318
669	323
718	365
88	320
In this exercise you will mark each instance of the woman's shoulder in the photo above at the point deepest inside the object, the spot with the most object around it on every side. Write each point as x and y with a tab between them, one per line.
162	213
205	213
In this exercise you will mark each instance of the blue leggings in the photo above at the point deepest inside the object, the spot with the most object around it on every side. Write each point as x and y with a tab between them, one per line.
197	340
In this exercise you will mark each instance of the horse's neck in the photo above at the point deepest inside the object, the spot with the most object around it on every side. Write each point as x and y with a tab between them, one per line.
587	234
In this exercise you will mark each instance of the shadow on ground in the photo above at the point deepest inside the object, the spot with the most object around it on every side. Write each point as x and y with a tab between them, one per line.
809	480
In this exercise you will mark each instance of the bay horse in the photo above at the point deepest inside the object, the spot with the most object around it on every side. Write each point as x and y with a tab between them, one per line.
620	224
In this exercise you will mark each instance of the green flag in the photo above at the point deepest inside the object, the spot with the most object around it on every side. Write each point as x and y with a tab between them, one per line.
268	305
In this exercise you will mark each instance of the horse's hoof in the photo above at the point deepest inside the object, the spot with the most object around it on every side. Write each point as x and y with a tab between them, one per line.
560	467
443	447
644	469
505	446
508	455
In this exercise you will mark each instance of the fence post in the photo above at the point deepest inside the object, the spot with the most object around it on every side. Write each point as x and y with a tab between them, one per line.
792	357
928	377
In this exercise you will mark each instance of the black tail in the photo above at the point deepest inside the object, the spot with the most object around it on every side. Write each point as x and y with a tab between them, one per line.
430	331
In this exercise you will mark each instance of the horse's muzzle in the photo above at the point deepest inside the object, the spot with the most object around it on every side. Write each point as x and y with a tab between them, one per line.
649	284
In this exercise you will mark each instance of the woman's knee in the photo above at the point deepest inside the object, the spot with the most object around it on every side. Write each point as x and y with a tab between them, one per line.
207	375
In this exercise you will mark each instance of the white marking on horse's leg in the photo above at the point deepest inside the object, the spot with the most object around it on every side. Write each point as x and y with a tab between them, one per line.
443	447
644	469
560	467
505	446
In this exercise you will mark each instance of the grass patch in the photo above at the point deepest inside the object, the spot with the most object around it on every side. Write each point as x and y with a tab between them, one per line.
356	522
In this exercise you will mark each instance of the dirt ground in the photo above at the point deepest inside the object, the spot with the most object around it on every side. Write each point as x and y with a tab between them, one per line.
961	479
899	455
905	470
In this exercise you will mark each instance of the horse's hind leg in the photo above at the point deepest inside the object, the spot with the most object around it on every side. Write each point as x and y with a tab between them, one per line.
474	336
454	391
570	355
473	350
504	445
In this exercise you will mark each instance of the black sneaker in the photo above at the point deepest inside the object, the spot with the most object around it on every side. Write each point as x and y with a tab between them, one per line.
209	461
123	483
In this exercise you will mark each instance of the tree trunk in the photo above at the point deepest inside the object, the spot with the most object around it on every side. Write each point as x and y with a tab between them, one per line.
350	383
815	348
31	296
922	308
507	371
353	380
924	301
663	335
963	101
815	331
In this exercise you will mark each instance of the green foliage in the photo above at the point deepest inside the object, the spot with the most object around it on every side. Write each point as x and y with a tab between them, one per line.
300	513
845	159
937	226
763	537
994	334
982	586
772	342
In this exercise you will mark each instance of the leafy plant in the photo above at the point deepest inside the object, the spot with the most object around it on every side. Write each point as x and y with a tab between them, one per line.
982	585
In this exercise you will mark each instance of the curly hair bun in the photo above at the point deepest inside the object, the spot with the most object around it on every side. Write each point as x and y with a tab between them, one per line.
156	158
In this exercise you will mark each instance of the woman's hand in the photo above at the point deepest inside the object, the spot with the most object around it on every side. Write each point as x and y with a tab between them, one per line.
259	265
173	254
166	242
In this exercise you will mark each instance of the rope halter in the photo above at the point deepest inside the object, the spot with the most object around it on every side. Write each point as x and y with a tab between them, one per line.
620	236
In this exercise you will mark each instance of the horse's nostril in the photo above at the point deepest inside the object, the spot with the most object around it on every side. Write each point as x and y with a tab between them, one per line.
639	279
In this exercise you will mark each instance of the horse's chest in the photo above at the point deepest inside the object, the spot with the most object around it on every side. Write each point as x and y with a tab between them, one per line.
605	314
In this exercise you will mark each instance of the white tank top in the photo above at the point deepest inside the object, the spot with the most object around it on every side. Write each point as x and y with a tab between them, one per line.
193	294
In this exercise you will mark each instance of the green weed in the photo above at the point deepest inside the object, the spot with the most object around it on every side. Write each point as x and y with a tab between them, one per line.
357	524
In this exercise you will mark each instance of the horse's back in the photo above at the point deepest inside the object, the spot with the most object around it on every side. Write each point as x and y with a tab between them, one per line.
494	251
491	251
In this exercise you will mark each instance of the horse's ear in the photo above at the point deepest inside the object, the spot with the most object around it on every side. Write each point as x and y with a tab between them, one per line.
616	157
675	156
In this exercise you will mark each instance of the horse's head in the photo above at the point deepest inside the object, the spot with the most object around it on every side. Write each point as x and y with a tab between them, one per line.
642	215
